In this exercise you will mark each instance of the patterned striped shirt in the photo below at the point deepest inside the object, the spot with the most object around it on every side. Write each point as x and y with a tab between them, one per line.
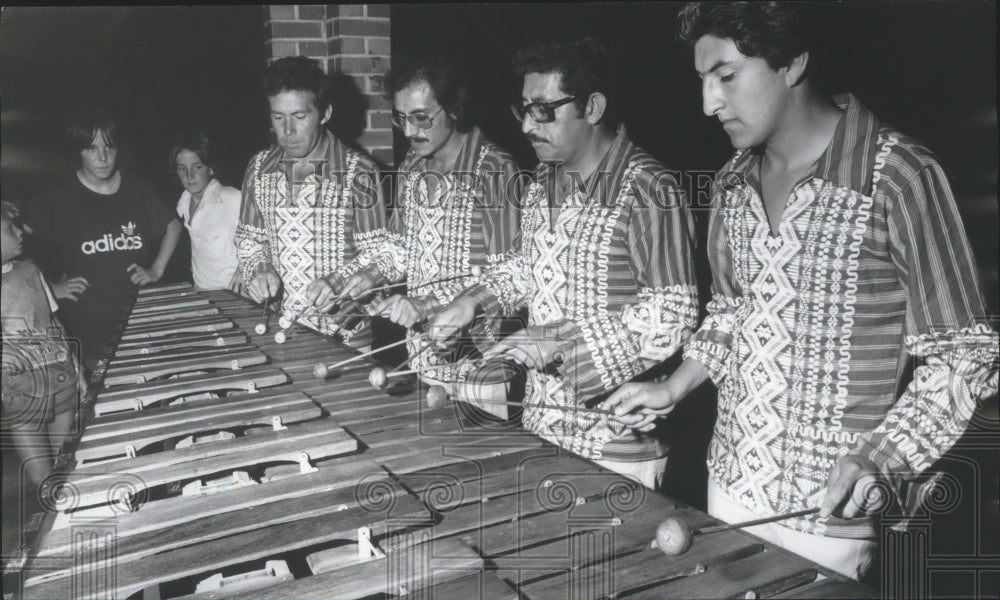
470	222
609	270
810	330
313	228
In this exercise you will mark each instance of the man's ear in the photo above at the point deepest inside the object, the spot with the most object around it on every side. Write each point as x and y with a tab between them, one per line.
796	70
327	114
596	105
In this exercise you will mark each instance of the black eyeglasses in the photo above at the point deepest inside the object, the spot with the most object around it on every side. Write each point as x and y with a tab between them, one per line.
418	120
541	112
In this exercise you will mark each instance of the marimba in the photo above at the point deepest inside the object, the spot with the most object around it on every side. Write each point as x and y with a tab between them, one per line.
215	465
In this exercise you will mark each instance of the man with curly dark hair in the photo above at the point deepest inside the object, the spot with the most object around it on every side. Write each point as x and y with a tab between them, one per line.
838	256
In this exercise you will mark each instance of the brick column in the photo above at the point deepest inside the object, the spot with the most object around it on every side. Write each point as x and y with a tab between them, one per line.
349	39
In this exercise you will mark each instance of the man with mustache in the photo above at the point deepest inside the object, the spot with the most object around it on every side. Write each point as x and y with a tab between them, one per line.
838	256
603	261
311	204
456	205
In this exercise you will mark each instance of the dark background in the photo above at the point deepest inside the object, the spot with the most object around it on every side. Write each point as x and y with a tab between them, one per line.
928	68
158	70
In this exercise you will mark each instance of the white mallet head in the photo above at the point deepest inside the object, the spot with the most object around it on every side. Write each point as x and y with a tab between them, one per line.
377	378
673	536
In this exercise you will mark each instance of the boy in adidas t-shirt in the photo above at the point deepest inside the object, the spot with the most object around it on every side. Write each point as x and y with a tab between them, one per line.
98	229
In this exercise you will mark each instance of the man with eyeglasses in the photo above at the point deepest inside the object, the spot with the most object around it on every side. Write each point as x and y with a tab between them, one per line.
603	262
456	206
311	205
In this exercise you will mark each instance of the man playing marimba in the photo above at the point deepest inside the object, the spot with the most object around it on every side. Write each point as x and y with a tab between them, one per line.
603	264
832	239
311	205
456	210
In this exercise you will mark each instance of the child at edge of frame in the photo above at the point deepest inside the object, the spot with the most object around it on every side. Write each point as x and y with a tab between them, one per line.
42	378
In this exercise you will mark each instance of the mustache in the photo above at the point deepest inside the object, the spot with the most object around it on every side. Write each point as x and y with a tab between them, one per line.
534	138
414	140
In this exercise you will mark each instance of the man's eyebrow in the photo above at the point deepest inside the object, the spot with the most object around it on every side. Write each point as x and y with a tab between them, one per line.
715	67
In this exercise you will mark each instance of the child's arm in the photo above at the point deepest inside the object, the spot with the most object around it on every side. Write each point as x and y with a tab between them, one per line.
142	276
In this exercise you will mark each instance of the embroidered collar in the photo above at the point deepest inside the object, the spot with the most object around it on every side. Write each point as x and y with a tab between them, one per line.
331	151
468	155
605	179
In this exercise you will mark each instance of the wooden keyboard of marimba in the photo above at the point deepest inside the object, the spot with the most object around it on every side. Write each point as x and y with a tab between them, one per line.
214	464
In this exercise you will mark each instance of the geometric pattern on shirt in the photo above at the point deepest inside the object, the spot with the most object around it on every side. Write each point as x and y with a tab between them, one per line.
569	273
906	288
795	326
584	272
439	245
307	237
579	432
654	320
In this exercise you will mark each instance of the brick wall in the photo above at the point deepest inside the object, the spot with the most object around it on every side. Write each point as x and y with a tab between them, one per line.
348	39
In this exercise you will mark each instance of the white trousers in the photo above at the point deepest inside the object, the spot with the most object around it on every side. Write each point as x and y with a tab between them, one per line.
849	557
647	472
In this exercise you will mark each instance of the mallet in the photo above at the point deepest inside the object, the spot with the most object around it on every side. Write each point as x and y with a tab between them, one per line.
261	328
410	359
437	397
289	318
322	370
379	378
475	271
674	536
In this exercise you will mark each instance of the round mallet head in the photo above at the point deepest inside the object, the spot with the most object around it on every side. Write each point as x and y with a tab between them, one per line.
321	371
476	270
673	536
436	397
260	328
284	322
280	337
377	378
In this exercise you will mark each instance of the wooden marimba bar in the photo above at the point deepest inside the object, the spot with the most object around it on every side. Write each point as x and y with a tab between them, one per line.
215	465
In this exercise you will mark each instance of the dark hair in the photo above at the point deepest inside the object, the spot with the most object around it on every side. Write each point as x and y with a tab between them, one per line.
584	66
84	126
298	73
196	141
445	76
774	31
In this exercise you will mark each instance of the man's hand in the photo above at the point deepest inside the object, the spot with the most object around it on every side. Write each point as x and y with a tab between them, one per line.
142	276
70	289
398	309
638	405
357	285
534	347
236	282
264	286
854	483
321	293
452	319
